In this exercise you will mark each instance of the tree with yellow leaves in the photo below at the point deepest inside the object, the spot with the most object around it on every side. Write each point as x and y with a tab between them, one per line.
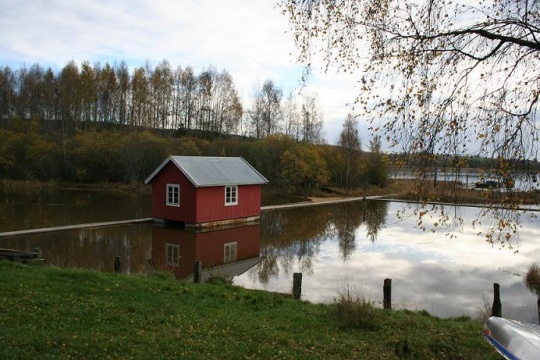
437	77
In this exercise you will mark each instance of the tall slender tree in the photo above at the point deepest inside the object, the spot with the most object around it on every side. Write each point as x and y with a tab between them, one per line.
30	92
291	117
188	90
162	85
227	104
255	113
140	95
312	120
204	96
349	142
377	167
107	94
69	87
50	96
7	92
89	92
122	74
271	107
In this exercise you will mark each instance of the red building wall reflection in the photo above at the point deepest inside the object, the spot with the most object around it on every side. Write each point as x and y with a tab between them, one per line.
228	251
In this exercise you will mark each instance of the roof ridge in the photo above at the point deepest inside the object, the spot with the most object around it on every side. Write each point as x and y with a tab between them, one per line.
232	170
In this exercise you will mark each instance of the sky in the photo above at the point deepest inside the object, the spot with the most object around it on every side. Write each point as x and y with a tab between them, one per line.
250	39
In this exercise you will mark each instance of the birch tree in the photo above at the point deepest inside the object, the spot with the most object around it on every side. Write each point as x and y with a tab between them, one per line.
140	98
88	92
271	112
312	120
107	90
438	77
124	88
266	113
349	142
187	97
291	117
7	92
162	86
69	88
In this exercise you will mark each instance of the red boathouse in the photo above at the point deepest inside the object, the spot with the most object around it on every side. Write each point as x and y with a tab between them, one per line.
206	191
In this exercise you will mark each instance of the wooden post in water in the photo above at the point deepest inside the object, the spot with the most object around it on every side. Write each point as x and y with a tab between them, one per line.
538	308
38	252
365	189
297	285
387	294
117	265
496	310
197	272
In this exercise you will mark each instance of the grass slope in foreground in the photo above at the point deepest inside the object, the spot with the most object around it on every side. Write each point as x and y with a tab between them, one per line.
47	312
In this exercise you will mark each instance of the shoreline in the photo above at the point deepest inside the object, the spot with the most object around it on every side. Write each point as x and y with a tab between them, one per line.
312	201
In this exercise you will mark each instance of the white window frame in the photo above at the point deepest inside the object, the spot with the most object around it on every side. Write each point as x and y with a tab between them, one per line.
230	252
172	253
230	200
168	199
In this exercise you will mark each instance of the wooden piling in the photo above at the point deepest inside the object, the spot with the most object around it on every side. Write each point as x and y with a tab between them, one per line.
38	252
538	308
387	294
297	285
496	309
365	190
197	272
117	265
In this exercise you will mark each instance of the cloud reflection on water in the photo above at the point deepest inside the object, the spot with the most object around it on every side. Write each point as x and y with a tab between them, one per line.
431	271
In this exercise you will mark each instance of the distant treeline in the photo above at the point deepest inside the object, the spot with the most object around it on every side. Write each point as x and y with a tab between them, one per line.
89	96
28	150
453	163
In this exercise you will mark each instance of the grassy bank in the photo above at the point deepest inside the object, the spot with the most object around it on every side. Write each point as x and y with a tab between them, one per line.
47	312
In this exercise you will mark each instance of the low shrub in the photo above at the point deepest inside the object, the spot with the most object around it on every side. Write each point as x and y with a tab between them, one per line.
357	313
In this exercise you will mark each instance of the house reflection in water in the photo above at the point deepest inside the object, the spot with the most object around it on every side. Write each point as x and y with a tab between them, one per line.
223	252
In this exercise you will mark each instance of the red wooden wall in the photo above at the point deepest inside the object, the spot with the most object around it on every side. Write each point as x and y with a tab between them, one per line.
211	203
170	174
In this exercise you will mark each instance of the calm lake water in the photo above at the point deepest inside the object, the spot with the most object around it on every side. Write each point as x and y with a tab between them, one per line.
341	248
524	181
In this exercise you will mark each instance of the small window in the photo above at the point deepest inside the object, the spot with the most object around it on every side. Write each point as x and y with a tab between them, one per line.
229	252
173	195
173	254
231	195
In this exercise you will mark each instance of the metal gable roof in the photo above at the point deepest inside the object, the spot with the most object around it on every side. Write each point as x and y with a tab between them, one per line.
205	171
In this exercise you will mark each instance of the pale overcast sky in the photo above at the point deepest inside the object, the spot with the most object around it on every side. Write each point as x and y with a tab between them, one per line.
248	38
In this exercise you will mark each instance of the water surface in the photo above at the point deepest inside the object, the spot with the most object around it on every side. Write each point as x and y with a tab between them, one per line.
342	248
352	248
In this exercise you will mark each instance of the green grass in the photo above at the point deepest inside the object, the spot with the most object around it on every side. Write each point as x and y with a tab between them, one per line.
48	312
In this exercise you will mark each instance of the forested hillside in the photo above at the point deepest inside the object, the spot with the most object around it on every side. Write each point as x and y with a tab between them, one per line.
107	124
27	151
103	123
